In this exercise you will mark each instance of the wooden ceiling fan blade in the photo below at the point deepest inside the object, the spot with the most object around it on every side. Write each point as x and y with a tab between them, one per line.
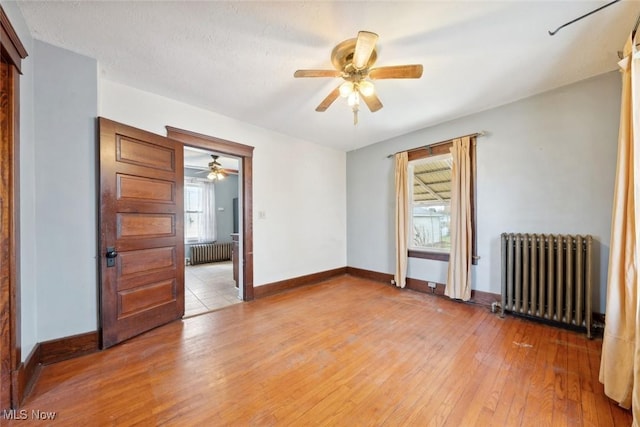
365	44
372	101
328	100
397	72
317	73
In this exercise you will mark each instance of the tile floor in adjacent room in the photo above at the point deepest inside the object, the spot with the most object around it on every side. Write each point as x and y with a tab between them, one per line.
209	287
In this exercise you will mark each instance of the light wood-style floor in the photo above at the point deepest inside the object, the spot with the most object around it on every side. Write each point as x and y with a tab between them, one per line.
209	287
346	352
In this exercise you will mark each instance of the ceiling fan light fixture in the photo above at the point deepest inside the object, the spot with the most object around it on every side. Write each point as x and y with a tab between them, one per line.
366	88
346	89
216	173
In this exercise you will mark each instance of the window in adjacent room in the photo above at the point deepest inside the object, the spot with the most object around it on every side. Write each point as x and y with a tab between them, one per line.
199	212
192	212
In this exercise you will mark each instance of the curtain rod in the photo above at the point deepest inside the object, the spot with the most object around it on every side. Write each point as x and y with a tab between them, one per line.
446	141
551	33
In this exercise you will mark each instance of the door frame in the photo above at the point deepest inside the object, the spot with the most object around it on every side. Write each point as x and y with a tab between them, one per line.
245	154
12	52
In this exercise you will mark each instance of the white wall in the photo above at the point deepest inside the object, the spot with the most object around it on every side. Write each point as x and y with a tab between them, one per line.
65	91
300	186
547	166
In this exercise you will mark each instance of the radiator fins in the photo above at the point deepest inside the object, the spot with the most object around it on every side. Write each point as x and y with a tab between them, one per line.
549	278
210	252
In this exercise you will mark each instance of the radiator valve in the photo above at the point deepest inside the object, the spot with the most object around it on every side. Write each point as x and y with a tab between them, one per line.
495	306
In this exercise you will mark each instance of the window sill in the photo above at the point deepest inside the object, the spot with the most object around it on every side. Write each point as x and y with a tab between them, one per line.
438	256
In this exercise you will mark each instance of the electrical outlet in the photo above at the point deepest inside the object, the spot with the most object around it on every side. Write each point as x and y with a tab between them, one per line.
432	285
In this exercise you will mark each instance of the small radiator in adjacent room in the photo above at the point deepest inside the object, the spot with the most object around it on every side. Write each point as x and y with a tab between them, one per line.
210	252
548	277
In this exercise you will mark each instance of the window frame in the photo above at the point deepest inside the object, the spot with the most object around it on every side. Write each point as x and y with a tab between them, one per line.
437	150
192	240
413	205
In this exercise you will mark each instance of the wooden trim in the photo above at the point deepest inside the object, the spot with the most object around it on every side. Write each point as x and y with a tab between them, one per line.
309	279
247	226
27	375
438	256
371	275
245	152
422	286
424	152
53	351
60	349
211	143
11	53
6	297
10	350
11	47
16	319
485	298
435	148
477	297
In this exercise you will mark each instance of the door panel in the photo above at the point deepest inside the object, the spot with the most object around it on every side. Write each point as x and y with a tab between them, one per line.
141	298
141	218
135	188
142	153
140	225
145	261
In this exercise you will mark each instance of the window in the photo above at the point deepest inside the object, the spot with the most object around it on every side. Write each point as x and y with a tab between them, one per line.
429	198
199	212
192	212
430	203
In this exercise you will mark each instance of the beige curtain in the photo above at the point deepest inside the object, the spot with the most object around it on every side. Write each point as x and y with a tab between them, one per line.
620	362
402	218
459	277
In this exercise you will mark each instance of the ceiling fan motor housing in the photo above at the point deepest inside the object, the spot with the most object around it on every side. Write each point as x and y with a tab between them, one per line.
342	57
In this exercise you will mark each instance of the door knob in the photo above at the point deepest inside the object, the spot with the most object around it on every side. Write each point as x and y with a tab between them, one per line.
111	256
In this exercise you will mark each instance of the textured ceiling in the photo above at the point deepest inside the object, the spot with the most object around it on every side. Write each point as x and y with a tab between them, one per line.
238	58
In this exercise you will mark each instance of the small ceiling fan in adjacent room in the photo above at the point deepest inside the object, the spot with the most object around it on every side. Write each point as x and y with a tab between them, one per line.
215	172
353	59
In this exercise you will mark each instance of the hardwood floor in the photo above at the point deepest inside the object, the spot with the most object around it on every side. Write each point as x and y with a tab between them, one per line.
209	287
347	351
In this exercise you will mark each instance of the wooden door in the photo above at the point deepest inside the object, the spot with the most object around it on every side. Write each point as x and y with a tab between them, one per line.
141	231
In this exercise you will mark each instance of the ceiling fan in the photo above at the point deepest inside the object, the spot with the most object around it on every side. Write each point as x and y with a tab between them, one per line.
215	172
352	60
